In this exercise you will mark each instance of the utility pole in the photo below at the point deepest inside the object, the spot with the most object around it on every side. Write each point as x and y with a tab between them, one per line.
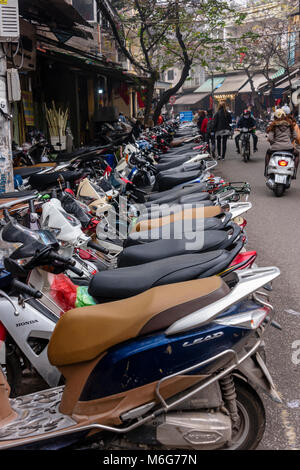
9	32
6	163
212	91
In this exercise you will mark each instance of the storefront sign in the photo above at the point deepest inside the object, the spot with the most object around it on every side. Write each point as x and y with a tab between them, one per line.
3	2
28	108
186	116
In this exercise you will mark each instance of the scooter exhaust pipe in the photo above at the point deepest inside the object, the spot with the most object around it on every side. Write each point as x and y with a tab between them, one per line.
270	183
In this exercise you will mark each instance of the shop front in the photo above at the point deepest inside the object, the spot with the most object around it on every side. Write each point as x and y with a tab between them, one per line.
228	92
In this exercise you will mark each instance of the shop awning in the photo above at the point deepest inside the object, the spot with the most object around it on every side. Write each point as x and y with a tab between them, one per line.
88	63
257	81
232	84
56	14
278	74
281	83
206	87
191	98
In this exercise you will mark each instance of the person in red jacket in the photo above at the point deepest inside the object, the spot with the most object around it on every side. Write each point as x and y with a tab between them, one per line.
203	128
160	120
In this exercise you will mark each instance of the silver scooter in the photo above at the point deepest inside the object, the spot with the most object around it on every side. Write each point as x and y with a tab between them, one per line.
280	171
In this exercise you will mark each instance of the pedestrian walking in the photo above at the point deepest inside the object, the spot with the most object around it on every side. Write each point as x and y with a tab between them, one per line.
222	121
203	128
200	119
210	133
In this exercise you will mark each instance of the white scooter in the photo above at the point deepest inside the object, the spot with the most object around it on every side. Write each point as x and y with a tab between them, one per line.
280	171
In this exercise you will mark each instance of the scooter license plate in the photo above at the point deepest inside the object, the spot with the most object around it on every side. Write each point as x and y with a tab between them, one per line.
280	179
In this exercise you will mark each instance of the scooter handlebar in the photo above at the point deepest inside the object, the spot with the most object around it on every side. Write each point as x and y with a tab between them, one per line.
69	263
55	257
96	247
24	288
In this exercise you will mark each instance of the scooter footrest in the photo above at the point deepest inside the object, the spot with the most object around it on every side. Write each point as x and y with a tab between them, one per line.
37	414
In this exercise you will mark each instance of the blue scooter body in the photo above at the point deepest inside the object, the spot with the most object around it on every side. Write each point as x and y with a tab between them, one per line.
147	359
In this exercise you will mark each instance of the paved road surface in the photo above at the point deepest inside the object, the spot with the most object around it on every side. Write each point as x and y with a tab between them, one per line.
274	232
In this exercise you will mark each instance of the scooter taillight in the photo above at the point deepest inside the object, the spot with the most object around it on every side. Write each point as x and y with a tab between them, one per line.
244	260
244	223
107	171
86	255
240	221
69	191
282	163
250	319
2	332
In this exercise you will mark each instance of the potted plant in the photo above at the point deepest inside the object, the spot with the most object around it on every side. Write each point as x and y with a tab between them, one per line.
57	123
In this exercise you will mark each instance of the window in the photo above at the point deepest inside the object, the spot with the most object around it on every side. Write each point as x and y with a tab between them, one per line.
87	9
121	56
170	75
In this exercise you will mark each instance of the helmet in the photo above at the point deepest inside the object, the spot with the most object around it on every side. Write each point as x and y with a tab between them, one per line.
279	114
286	109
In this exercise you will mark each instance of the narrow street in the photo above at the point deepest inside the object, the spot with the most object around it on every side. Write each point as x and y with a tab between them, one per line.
273	231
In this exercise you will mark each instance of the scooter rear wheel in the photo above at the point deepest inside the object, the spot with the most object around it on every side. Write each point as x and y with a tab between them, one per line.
252	418
279	189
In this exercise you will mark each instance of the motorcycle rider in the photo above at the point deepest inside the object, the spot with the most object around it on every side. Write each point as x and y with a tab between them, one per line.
282	135
247	121
289	114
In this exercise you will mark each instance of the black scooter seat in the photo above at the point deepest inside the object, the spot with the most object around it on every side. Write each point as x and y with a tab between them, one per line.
199	242
171	163
154	211
188	198
45	181
126	282
26	172
186	154
175	193
184	167
175	230
171	180
17	194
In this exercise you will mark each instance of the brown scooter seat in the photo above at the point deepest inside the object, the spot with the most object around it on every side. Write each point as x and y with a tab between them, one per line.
84	333
187	214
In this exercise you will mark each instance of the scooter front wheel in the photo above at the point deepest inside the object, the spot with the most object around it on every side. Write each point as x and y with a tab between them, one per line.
13	371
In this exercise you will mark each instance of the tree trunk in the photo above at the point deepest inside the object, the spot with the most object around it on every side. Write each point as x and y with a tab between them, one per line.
149	97
254	97
171	91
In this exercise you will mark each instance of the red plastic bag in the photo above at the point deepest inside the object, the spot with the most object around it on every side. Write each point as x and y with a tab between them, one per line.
64	292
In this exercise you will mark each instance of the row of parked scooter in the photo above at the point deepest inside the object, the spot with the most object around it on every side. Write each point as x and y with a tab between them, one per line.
127	288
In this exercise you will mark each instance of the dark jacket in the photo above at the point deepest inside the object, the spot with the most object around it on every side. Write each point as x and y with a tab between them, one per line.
222	120
248	123
210	126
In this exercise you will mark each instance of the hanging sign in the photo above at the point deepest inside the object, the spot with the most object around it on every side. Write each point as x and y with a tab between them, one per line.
28	108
